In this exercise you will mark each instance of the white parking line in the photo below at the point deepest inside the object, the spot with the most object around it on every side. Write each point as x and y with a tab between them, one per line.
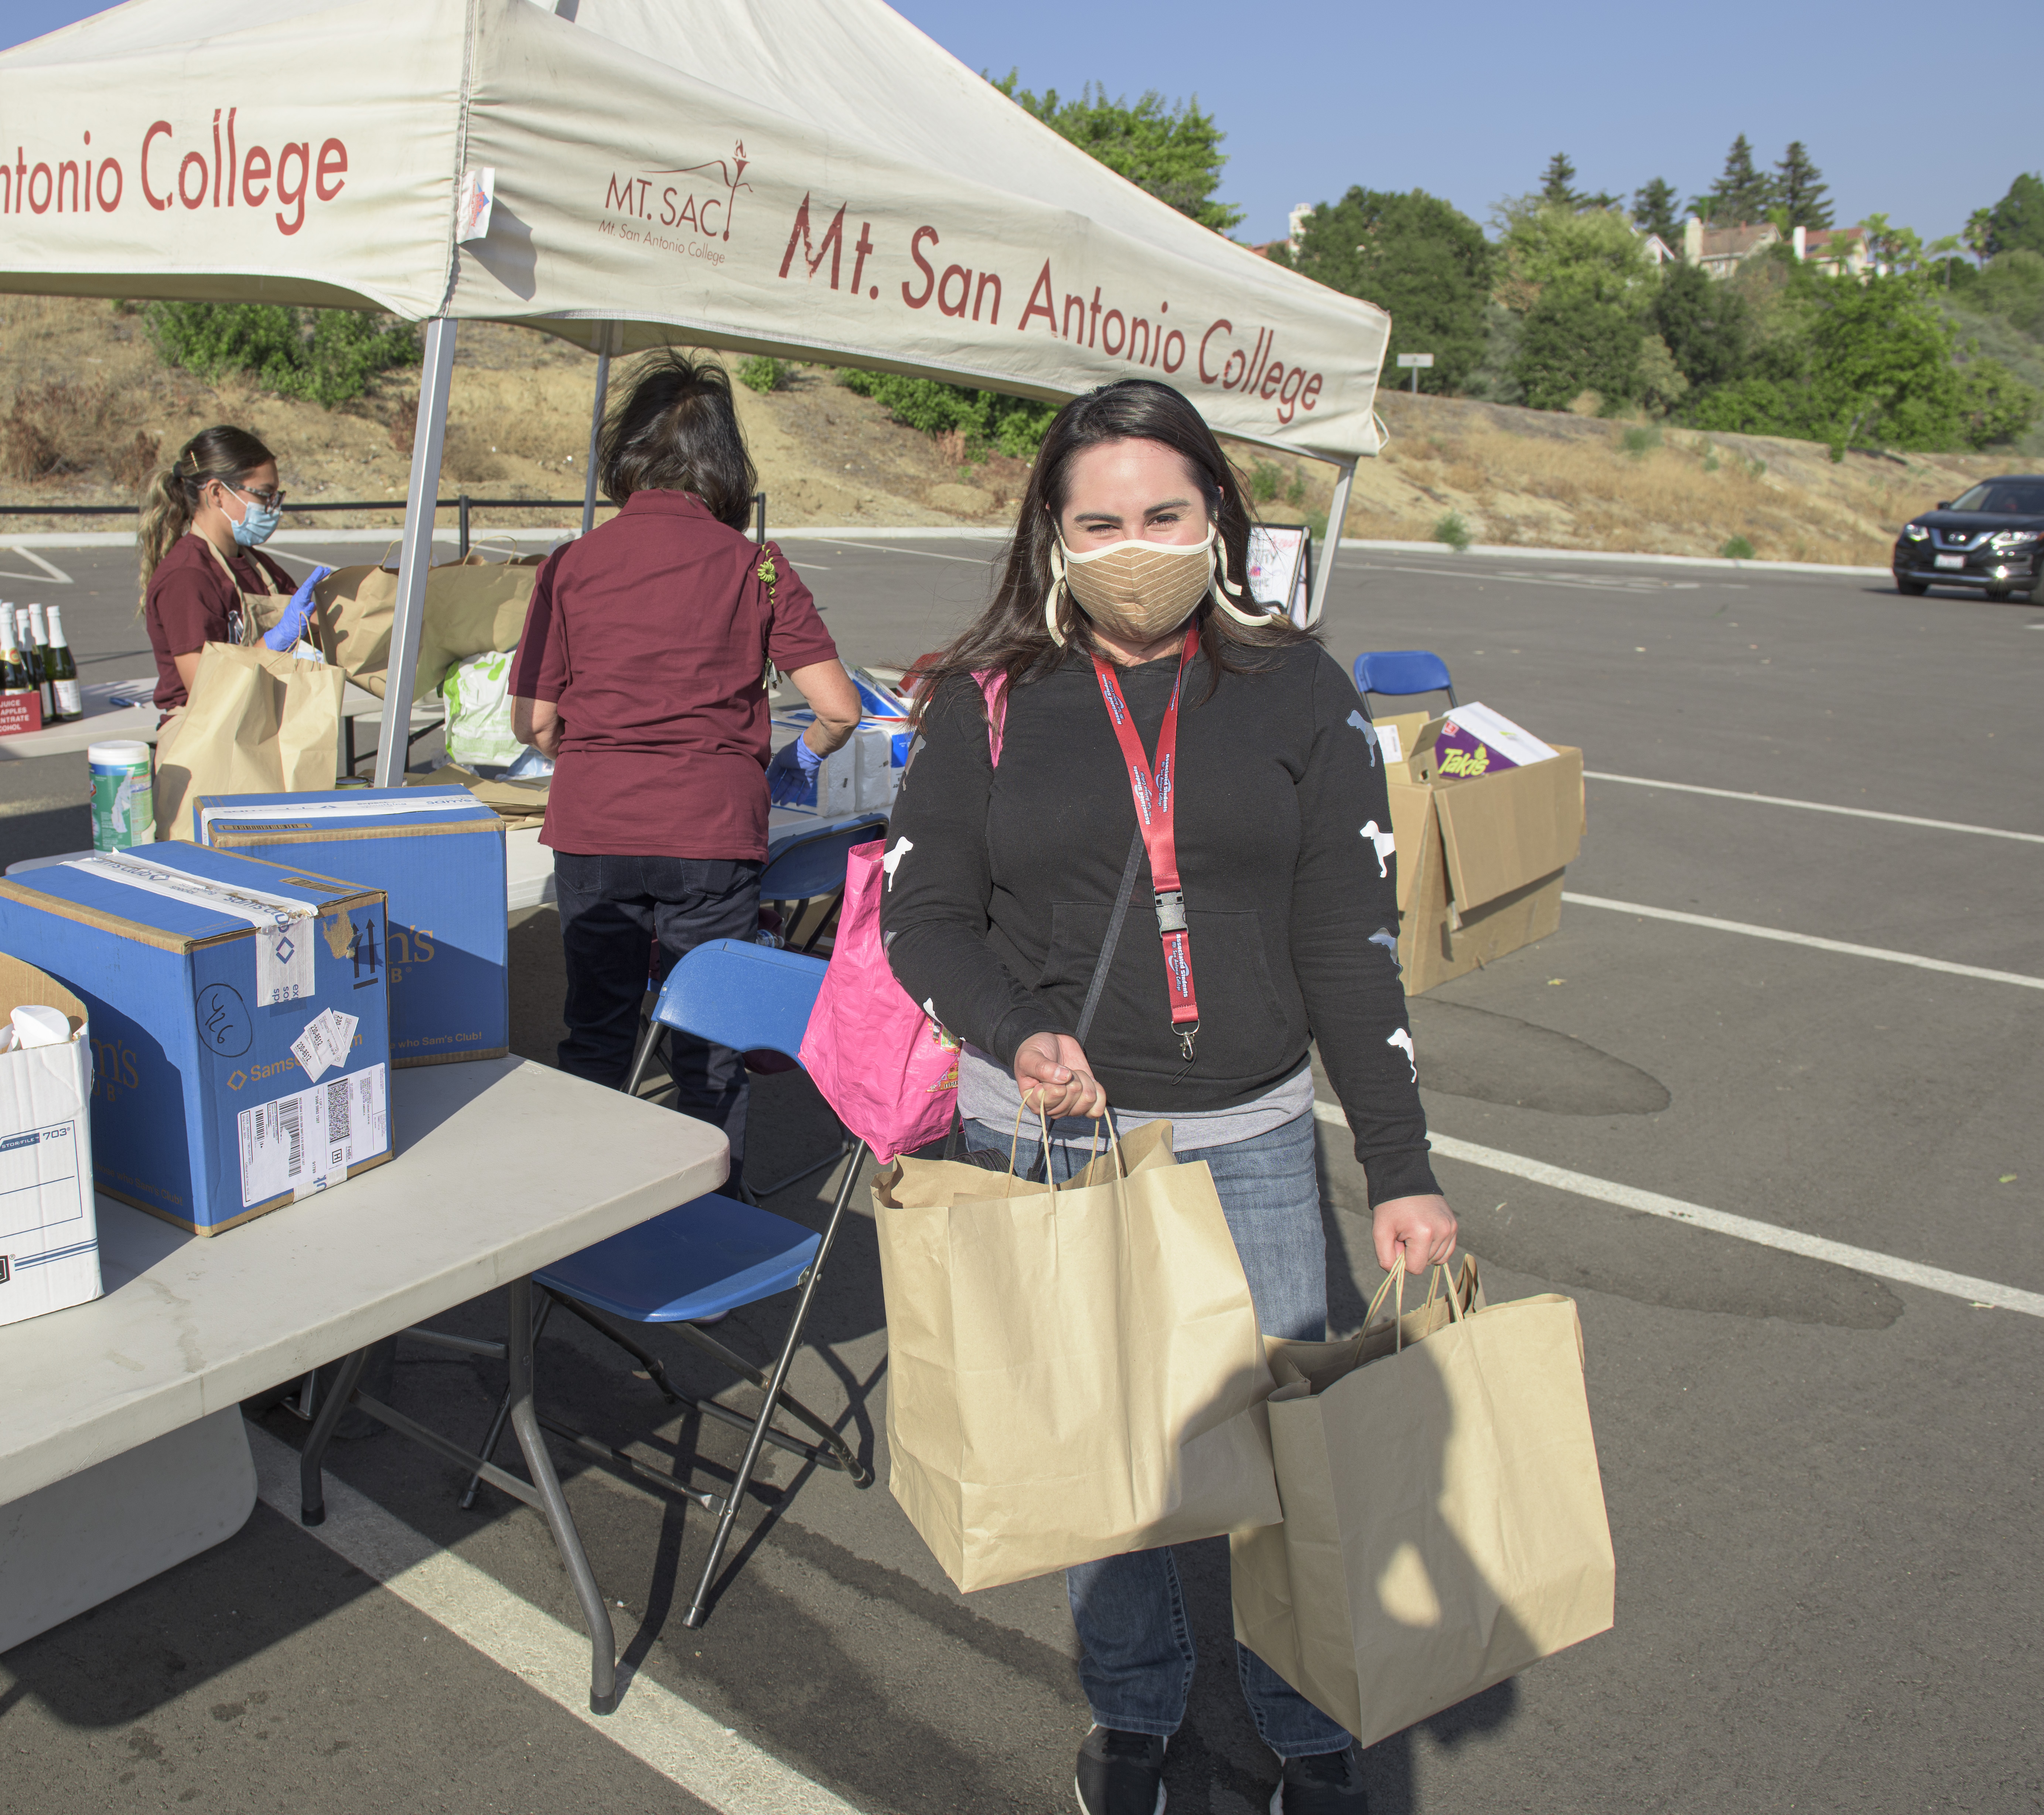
1819	806
1814	943
672	1736
877	548
50	571
1743	1229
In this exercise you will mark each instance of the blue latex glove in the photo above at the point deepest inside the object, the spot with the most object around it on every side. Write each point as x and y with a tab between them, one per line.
297	614
791	776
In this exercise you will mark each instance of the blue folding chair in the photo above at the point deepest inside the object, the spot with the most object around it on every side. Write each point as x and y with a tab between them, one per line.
1391	672
811	864
713	1254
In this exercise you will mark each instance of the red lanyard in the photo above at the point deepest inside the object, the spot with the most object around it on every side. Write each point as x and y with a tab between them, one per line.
1156	797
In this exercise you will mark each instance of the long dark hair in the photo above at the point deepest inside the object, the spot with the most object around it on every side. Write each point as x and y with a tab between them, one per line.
170	500
1010	634
678	431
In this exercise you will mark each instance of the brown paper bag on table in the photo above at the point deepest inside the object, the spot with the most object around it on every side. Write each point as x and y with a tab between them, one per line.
472	606
1072	1373
1444	1518
257	722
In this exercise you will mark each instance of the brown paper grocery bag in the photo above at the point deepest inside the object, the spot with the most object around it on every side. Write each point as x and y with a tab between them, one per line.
1072	1373
257	722
472	606
1444	1517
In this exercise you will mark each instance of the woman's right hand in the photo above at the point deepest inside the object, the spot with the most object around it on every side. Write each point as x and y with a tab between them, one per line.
1054	1076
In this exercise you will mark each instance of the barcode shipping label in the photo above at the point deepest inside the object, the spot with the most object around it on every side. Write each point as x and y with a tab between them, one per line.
324	1043
302	1142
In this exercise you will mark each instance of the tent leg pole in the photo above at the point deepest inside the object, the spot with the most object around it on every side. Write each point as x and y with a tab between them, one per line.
595	435
1337	515
421	497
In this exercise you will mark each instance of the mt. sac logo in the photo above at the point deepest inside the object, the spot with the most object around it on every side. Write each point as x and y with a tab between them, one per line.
703	210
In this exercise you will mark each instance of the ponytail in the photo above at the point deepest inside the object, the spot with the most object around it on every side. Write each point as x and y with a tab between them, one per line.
170	500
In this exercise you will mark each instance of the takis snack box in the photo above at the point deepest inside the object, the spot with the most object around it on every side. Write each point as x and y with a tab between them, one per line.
239	1023
1473	740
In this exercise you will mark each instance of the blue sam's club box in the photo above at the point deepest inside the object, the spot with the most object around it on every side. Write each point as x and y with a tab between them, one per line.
202	971
438	856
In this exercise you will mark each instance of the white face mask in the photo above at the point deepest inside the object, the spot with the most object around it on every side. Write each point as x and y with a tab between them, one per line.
1140	591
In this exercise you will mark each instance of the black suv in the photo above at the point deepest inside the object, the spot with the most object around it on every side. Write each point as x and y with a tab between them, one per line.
1989	539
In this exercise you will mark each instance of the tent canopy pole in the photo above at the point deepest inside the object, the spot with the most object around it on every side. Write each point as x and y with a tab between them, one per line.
610	333
436	376
1337	515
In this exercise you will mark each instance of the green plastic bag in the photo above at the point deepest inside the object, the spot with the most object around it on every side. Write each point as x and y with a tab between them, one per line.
478	692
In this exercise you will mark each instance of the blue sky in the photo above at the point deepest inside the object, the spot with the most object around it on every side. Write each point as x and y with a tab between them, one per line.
1468	101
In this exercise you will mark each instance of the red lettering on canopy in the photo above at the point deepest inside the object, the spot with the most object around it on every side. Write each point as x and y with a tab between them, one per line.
292	198
923	265
944	306
1207	377
1040	302
332	163
254	178
148	138
193	160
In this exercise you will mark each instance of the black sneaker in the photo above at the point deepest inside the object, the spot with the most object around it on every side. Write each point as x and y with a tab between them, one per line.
1329	1783
1121	1773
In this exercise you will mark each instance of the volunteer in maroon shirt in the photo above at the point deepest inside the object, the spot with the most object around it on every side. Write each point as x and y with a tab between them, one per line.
640	673
201	520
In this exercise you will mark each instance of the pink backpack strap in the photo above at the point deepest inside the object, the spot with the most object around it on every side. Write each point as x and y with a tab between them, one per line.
993	687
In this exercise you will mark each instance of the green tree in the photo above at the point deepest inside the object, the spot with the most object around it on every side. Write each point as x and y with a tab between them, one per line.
1541	243
1994	404
1979	234
1799	188
1707	325
1865	363
1742	195
1654	212
1574	340
2017	220
2012	286
1557	183
1418	256
1583	283
1172	151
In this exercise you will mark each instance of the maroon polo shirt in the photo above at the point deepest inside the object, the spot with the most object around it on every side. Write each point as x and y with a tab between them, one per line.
652	635
191	602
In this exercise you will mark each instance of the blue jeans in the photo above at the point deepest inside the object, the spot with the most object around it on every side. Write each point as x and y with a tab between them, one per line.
1137	1670
626	921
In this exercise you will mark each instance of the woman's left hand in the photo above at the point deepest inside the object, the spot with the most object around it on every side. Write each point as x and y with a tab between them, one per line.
1424	1227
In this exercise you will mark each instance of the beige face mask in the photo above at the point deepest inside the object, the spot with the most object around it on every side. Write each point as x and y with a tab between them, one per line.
1139	590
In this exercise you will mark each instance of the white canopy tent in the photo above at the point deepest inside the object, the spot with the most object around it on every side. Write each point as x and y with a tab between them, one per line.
809	178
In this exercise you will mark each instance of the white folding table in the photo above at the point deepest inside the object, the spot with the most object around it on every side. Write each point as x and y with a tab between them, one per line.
121	1446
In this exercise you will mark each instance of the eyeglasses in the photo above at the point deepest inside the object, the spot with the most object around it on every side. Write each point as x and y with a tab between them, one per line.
269	498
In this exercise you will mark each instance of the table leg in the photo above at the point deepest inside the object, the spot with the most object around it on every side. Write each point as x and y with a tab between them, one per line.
311	1491
538	1465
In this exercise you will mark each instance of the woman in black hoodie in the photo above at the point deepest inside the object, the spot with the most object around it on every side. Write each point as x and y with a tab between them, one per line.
1189	783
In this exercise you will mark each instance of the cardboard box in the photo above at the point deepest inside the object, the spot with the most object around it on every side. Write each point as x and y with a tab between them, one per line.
212	1102
438	856
49	1234
1480	864
1397	736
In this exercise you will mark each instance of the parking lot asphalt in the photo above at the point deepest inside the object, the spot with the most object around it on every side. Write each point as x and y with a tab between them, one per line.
1823	1479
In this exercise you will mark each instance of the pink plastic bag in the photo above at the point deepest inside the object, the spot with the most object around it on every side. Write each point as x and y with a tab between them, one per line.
882	1062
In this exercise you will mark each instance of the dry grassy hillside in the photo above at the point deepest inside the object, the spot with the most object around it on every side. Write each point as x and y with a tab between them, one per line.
87	408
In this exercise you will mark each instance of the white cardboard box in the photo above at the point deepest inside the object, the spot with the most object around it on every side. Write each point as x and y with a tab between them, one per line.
49	1233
